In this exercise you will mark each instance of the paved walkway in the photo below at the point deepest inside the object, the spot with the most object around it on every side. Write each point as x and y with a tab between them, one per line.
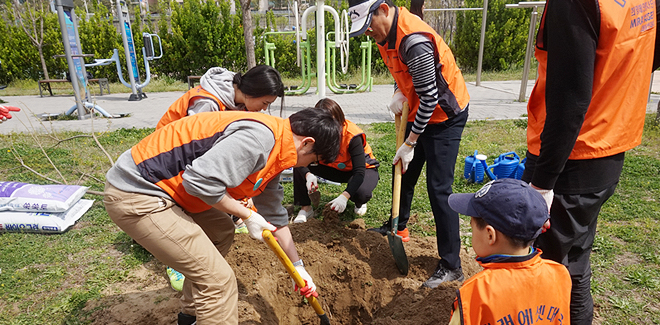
491	100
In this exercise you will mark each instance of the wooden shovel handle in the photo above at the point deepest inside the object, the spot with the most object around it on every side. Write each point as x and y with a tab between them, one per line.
400	122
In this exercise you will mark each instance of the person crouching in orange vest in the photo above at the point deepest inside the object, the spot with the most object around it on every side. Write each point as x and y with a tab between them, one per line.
174	190
517	285
355	165
220	89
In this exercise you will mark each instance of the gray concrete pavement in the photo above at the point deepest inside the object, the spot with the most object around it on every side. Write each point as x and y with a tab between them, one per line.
491	100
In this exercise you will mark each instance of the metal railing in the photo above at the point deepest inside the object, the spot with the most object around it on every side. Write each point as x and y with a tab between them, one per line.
530	42
484	10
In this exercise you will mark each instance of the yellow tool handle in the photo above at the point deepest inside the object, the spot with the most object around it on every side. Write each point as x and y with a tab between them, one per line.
275	246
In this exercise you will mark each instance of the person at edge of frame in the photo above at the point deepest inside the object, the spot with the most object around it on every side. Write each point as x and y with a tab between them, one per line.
586	110
506	216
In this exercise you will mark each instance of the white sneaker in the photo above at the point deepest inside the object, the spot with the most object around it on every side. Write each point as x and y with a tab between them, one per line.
361	210
303	216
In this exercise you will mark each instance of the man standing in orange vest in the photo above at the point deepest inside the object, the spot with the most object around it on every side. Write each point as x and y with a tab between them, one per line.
428	78
586	110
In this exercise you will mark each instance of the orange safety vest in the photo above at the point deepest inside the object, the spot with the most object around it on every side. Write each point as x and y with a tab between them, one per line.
179	109
407	24
535	291
615	118
162	156
344	161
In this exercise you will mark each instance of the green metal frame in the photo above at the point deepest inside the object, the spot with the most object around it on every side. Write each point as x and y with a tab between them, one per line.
331	62
305	67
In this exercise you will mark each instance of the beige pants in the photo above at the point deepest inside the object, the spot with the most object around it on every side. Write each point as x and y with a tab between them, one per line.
191	243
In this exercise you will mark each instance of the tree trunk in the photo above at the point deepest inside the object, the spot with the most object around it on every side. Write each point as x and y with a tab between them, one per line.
43	61
247	34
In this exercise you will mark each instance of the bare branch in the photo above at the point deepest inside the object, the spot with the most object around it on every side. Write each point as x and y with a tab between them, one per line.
69	138
92	111
95	192
20	160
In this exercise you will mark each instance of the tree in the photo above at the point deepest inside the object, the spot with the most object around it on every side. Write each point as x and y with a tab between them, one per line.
247	33
30	16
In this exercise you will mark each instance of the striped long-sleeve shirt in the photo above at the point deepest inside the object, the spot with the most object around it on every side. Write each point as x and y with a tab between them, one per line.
416	51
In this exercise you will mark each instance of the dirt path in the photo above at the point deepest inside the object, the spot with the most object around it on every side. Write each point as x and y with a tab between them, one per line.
353	269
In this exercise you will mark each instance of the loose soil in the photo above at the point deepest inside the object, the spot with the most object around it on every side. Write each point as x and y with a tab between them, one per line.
354	271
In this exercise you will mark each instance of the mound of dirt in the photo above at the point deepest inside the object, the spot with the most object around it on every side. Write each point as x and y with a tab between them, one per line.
353	269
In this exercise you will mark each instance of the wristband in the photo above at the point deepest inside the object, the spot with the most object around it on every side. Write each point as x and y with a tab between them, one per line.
410	144
298	263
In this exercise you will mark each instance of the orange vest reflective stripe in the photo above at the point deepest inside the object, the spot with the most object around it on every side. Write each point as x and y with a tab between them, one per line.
407	24
179	109
344	161
615	118
536	291
162	156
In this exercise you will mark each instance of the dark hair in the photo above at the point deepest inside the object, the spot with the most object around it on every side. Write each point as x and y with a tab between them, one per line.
481	224
332	107
262	80
320	125
416	8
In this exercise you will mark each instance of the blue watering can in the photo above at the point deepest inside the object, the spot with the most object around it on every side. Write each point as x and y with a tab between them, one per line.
521	168
505	165
475	168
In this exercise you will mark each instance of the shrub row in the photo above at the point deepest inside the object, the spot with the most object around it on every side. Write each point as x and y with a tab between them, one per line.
203	33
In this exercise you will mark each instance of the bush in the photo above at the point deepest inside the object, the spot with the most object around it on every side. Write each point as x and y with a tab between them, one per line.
505	40
203	34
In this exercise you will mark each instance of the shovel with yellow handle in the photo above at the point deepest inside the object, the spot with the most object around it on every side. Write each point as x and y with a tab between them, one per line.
272	243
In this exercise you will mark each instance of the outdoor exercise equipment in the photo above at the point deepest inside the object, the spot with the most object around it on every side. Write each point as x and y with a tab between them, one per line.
73	54
305	65
129	50
324	58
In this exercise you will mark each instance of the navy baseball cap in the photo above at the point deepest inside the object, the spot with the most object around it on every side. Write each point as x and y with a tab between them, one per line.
511	206
360	13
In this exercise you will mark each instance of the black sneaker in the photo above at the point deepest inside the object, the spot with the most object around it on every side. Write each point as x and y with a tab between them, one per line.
384	229
185	319
443	274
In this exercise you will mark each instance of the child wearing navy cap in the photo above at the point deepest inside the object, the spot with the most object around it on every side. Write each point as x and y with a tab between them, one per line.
516	285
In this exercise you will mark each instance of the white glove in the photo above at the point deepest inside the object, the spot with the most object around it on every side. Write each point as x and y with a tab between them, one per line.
405	154
311	287
312	183
396	104
255	224
339	204
548	195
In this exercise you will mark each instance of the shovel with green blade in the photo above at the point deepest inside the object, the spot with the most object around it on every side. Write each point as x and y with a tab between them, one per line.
396	244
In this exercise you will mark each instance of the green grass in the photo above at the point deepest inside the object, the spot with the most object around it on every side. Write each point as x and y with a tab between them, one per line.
47	279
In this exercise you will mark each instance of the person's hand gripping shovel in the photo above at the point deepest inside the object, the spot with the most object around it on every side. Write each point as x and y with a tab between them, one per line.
396	244
272	243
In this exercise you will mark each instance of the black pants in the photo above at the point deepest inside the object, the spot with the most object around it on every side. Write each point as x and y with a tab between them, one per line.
362	196
569	241
438	148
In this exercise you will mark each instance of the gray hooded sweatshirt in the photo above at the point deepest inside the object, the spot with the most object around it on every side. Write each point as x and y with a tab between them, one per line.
217	81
